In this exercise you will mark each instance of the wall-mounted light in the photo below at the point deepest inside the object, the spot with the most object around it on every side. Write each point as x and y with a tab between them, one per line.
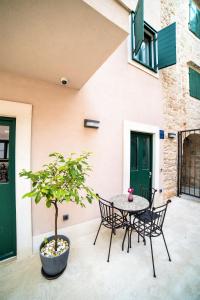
171	135
91	123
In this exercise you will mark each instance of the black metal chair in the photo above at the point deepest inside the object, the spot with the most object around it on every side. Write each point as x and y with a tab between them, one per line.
149	194
151	226
111	218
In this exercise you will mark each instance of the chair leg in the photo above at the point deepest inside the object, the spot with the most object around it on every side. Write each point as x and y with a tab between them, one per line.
138	239
130	237
166	246
144	240
154	273
110	245
97	233
128	241
124	238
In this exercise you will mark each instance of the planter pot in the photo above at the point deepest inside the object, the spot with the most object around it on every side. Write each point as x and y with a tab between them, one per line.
53	267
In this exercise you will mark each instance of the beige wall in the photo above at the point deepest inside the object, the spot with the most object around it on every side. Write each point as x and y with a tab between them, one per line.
118	91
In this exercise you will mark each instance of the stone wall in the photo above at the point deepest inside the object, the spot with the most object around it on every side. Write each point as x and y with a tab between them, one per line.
180	110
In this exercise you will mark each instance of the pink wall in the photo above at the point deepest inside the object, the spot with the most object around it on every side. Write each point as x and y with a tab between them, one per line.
118	91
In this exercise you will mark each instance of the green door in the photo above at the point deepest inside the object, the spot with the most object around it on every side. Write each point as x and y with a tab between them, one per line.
7	189
141	161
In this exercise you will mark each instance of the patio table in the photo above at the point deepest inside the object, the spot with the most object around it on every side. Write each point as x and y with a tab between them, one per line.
127	208
121	202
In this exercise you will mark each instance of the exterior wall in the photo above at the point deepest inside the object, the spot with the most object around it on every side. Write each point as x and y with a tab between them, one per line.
180	110
151	10
117	92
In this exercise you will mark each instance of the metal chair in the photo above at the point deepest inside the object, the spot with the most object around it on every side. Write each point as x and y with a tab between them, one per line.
149	194
152	227
110	219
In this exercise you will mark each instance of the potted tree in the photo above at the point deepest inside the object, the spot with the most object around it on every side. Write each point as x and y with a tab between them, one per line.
61	180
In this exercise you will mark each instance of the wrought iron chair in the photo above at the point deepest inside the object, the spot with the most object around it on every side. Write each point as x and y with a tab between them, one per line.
152	227
111	218
149	194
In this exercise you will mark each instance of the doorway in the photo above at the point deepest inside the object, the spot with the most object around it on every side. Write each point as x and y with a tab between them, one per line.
141	161
7	188
189	162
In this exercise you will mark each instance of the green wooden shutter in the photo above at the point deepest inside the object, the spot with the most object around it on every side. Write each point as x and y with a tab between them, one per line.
139	25
167	46
194	81
194	24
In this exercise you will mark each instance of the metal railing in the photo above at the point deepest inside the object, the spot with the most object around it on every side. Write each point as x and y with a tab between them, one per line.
189	162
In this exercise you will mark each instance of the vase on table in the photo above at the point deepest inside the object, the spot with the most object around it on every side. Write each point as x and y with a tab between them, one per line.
130	195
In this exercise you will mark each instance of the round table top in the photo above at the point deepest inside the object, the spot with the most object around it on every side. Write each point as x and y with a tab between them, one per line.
121	202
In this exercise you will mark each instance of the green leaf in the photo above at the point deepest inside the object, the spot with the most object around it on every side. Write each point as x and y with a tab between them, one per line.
29	195
37	198
48	204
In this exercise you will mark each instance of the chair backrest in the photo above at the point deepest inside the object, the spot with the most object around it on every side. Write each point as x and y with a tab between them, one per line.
153	191
157	219
149	194
106	209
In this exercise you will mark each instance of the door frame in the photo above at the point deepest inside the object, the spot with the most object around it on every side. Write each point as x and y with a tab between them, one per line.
143	128
23	114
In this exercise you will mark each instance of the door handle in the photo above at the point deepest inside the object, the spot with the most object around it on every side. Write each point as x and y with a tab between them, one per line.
150	174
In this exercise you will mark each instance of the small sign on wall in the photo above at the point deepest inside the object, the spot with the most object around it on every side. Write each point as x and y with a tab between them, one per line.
162	134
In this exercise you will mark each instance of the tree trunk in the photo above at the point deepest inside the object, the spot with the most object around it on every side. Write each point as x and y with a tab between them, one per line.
56	224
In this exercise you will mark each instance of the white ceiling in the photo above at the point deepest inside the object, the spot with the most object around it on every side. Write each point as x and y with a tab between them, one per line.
50	39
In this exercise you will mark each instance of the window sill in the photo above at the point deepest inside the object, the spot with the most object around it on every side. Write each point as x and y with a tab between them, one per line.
193	35
143	68
195	98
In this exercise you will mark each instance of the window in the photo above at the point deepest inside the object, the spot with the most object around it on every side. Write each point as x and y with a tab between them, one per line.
147	53
144	54
154	50
4	153
194	82
194	23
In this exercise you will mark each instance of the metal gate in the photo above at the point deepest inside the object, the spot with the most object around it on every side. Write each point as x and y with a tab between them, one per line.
189	162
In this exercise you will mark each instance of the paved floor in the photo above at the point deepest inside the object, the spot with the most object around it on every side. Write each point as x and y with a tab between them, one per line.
127	276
